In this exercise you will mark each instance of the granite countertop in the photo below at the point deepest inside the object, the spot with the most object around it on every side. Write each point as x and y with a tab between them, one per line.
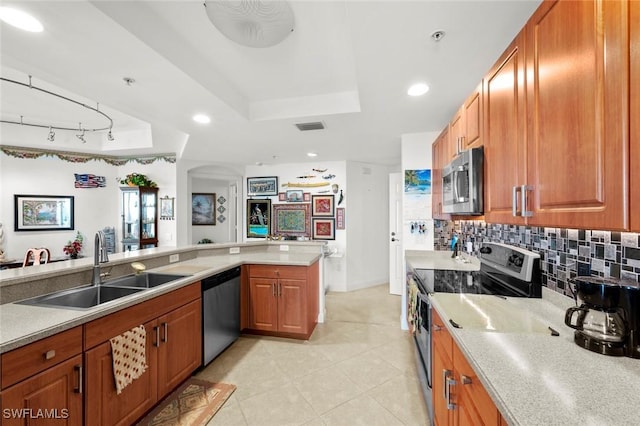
423	259
23	324
535	378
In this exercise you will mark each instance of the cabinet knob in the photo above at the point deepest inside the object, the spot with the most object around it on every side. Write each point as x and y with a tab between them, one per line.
465	380
436	327
50	354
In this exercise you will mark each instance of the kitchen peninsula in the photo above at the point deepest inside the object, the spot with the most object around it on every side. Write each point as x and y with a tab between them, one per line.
198	262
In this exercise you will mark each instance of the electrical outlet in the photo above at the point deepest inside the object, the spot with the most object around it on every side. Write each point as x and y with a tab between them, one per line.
174	258
284	247
234	250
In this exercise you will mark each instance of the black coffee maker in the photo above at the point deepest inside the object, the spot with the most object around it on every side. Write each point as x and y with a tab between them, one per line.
608	318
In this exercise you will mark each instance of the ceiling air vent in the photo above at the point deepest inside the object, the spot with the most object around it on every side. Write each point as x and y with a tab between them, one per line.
314	125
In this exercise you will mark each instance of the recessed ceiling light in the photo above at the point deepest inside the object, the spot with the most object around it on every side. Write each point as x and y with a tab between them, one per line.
20	19
201	118
418	89
312	154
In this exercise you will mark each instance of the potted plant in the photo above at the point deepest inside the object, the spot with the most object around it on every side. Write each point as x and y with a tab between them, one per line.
73	248
137	179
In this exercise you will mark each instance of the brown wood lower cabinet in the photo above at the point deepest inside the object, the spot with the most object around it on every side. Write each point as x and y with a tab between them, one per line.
42	381
283	300
458	396
52	397
104	405
174	350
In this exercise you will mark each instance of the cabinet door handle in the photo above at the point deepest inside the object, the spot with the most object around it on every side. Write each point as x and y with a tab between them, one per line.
436	327
157	341
78	368
279	289
448	383
445	377
523	195
273	290
514	201
165	332
465	380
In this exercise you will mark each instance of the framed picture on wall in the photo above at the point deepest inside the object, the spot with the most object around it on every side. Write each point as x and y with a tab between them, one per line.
294	195
43	212
266	186
322	205
323	228
203	209
291	219
258	218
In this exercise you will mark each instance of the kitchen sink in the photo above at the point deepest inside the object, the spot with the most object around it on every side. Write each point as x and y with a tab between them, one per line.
144	280
81	298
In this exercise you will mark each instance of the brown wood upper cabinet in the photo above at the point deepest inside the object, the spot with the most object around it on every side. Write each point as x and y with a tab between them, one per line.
634	31
561	158
465	128
504	134
439	159
577	115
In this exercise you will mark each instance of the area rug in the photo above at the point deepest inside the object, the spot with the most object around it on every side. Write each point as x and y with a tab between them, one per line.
194	403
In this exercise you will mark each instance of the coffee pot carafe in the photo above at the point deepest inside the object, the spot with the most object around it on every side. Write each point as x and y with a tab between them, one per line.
608	318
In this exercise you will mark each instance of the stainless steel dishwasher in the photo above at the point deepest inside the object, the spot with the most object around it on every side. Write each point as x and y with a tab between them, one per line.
220	313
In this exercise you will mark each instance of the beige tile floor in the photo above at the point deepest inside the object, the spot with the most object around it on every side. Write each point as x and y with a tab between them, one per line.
358	368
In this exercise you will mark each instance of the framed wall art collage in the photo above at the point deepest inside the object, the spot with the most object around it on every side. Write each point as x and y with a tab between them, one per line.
296	213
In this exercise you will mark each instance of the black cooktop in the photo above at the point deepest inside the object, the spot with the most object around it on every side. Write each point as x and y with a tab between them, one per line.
486	281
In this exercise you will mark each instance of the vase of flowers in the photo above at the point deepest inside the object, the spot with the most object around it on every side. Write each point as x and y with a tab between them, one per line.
73	248
137	179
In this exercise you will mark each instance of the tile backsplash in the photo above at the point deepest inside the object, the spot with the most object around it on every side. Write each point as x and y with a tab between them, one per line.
564	253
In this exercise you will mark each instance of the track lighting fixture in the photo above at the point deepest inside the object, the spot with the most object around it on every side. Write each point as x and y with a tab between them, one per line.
51	136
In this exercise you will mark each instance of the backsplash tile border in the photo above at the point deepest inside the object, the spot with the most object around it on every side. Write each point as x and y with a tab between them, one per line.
564	253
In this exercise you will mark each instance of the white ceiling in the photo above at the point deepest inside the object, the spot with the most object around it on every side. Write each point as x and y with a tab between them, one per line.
347	64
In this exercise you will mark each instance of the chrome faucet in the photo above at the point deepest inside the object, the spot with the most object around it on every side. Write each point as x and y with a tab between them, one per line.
100	255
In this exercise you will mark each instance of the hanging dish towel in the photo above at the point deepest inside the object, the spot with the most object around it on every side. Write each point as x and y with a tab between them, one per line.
129	356
414	305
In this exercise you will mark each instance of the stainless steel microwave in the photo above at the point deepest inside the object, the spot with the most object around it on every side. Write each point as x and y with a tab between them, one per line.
462	186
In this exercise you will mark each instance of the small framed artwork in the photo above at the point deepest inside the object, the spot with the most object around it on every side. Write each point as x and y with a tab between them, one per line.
43	212
282	196
340	218
306	196
203	209
262	185
258	218
167	208
323	228
322	205
291	219
294	195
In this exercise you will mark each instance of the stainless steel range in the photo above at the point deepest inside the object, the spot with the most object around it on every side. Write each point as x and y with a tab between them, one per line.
504	271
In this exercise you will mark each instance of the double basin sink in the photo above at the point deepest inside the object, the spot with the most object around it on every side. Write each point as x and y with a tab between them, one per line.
90	296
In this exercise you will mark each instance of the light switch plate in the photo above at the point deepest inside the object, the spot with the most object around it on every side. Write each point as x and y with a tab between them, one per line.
174	258
234	250
284	247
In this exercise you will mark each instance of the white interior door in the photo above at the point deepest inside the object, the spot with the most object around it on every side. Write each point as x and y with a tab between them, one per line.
396	267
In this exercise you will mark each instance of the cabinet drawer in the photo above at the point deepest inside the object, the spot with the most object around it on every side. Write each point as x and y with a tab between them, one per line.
35	357
440	335
103	329
278	271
